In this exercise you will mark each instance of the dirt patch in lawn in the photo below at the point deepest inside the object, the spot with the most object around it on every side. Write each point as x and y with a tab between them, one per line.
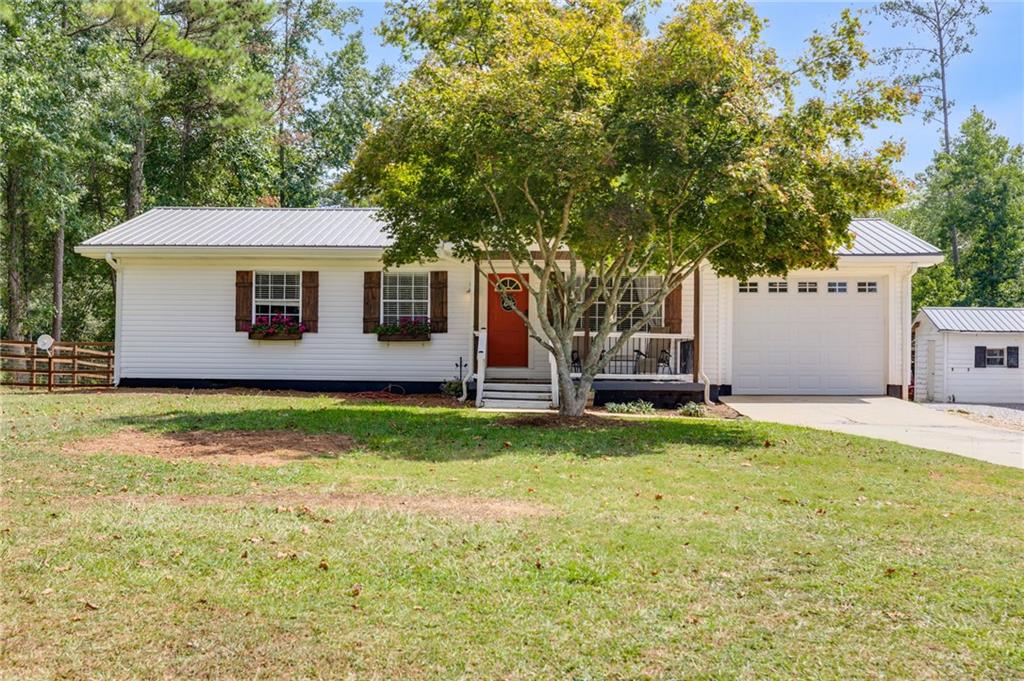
308	503
585	422
250	447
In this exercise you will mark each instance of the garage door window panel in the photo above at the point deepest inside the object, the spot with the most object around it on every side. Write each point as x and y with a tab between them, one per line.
837	287
867	287
778	287
807	287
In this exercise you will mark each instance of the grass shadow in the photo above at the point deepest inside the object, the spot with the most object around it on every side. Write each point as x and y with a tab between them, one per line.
438	435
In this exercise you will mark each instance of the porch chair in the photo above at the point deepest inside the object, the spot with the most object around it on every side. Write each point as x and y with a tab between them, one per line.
656	358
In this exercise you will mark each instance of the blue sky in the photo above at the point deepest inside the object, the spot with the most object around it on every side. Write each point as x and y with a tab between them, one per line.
990	78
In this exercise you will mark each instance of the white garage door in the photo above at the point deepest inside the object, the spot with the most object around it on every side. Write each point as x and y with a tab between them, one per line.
809	337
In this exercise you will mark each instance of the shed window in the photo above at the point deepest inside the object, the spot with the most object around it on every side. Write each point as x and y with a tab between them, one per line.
748	287
837	287
807	287
867	287
277	293
995	357
404	296
778	287
636	292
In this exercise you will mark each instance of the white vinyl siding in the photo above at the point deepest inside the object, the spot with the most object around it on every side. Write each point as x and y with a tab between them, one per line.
954	377
165	300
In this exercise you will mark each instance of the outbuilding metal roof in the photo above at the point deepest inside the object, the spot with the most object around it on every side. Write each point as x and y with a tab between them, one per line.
360	228
881	237
977	319
249	227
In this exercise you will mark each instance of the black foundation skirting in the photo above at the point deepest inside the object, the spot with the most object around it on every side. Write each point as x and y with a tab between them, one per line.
715	392
400	387
894	391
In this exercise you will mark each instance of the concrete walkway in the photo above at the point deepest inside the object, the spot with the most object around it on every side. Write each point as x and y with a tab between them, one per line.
887	418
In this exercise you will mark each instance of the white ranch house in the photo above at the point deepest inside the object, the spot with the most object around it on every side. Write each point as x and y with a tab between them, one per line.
190	281
969	354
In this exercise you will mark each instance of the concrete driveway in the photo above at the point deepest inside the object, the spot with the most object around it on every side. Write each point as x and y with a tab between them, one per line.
887	418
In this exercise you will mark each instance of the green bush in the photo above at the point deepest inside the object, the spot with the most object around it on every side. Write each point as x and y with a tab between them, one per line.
634	407
691	409
452	388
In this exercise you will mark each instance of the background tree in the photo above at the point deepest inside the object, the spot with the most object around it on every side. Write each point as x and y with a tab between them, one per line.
978	186
560	128
321	101
113	106
949	27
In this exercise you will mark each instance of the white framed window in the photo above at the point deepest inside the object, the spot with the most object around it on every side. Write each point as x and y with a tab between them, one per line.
637	291
837	287
995	357
807	287
748	287
277	294
778	287
867	287
404	295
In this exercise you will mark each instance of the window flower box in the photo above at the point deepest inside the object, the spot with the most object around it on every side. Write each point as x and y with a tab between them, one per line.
276	328
406	329
267	336
403	337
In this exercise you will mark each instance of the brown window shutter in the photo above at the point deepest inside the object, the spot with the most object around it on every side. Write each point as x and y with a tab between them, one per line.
439	302
371	301
674	310
310	300
1013	357
243	300
979	357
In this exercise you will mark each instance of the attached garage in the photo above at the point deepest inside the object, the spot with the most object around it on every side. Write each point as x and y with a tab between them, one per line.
810	336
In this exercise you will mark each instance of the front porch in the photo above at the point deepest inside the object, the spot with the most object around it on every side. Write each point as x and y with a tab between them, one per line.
656	367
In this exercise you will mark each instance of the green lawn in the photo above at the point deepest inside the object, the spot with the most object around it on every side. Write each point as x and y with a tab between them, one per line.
660	548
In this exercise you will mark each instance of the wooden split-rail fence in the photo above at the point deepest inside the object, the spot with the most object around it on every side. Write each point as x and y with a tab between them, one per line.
64	365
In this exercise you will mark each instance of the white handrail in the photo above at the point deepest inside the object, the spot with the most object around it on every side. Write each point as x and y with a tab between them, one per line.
481	365
554	379
469	377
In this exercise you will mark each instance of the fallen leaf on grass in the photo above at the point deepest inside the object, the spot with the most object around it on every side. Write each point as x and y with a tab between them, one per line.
323	565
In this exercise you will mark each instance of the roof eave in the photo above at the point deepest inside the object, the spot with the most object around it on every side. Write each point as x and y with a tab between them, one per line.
100	251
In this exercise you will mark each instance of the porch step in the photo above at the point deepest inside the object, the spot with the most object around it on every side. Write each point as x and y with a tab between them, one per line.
515	405
491	394
509	386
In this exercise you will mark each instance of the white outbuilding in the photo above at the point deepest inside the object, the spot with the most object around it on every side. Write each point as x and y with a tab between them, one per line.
969	354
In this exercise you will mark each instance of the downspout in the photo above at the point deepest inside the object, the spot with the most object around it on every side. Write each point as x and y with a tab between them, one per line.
698	373
908	303
118	288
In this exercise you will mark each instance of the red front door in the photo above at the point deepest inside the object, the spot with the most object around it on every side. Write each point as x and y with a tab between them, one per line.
507	340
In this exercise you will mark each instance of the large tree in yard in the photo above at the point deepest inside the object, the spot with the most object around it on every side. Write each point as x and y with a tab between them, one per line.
558	135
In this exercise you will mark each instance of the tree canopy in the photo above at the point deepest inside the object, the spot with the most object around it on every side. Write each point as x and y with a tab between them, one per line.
113	107
561	127
979	188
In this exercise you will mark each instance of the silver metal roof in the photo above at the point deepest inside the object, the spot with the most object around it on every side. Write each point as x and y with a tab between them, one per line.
249	227
360	228
976	319
881	237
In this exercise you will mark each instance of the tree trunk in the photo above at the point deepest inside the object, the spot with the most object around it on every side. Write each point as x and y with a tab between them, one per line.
573	395
281	160
15	234
58	279
136	181
953	235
